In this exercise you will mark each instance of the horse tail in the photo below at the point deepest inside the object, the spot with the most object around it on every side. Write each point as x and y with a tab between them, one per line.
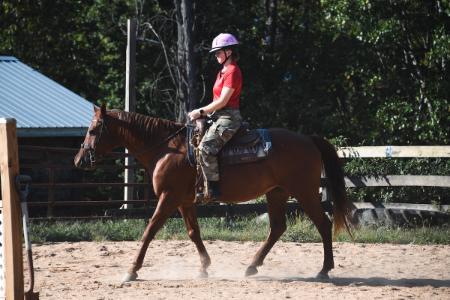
342	208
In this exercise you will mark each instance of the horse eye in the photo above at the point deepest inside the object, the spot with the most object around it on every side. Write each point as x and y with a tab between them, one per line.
92	132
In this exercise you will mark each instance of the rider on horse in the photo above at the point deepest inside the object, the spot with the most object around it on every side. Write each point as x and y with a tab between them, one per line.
223	110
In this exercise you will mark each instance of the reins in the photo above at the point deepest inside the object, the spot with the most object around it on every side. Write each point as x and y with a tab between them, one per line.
162	142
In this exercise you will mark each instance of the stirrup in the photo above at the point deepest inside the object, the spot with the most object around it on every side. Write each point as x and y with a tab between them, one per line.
200	198
211	196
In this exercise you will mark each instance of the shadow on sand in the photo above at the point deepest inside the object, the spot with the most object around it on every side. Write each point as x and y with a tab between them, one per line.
370	281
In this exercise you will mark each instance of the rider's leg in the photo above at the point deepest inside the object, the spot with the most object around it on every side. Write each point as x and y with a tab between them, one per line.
226	125
210	166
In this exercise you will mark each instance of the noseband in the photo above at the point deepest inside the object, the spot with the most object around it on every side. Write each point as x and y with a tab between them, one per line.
90	149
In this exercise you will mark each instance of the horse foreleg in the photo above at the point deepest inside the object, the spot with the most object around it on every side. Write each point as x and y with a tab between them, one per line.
276	205
190	219
164	210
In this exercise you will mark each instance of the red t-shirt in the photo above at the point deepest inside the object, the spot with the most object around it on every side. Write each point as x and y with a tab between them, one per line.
232	78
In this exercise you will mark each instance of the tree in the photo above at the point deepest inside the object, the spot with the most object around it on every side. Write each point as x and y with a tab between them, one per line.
374	72
187	58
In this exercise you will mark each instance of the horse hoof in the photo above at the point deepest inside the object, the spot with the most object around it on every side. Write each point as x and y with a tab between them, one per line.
129	277
203	274
323	276
251	271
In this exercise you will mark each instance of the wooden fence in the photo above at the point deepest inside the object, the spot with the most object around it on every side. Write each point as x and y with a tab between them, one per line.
399	212
37	158
397	152
11	261
144	205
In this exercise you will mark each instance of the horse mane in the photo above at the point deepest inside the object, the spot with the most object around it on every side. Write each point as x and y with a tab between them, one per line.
149	128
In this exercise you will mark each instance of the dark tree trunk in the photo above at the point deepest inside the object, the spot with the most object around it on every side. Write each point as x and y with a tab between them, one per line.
187	59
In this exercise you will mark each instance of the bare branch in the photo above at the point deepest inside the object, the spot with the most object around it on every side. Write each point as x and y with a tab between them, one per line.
164	50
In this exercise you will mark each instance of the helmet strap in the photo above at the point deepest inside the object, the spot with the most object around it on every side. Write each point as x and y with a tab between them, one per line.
226	57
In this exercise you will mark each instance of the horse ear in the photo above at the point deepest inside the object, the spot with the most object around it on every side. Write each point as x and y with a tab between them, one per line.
103	109
96	108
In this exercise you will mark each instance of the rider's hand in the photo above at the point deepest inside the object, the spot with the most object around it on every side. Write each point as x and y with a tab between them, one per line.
195	114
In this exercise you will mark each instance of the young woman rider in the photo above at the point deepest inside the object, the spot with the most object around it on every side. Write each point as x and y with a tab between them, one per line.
224	109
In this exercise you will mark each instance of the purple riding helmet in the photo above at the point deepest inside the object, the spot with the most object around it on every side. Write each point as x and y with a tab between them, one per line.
223	40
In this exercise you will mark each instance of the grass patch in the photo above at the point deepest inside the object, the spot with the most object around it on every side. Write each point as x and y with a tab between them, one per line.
242	229
75	231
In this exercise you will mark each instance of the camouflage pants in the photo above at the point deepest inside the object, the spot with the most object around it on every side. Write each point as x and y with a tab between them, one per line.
226	124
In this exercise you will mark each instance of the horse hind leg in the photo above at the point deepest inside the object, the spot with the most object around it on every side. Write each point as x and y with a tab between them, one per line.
276	205
310	202
190	219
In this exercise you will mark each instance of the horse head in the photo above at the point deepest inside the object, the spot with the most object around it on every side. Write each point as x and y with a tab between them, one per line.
96	142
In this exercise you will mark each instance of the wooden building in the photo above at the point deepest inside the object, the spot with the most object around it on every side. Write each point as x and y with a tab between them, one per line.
47	115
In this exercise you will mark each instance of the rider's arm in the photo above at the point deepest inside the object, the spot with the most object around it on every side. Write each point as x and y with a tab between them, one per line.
225	96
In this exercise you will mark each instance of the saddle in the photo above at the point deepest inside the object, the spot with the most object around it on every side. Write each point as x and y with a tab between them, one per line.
245	146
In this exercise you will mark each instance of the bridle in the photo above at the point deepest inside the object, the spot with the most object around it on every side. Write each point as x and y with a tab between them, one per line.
90	147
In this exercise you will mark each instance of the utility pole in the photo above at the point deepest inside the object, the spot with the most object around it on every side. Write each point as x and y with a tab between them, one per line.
130	104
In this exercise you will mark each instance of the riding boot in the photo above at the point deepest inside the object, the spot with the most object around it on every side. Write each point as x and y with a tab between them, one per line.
213	190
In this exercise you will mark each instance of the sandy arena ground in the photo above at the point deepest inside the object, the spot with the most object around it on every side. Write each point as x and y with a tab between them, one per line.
91	270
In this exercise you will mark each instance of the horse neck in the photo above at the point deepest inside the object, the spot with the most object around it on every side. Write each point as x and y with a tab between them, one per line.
139	133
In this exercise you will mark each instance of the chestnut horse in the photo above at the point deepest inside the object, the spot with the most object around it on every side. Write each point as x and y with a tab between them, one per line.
293	169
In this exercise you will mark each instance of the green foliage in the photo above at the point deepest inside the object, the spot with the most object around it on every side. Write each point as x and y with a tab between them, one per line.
301	230
117	230
363	72
374	72
399	235
241	229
